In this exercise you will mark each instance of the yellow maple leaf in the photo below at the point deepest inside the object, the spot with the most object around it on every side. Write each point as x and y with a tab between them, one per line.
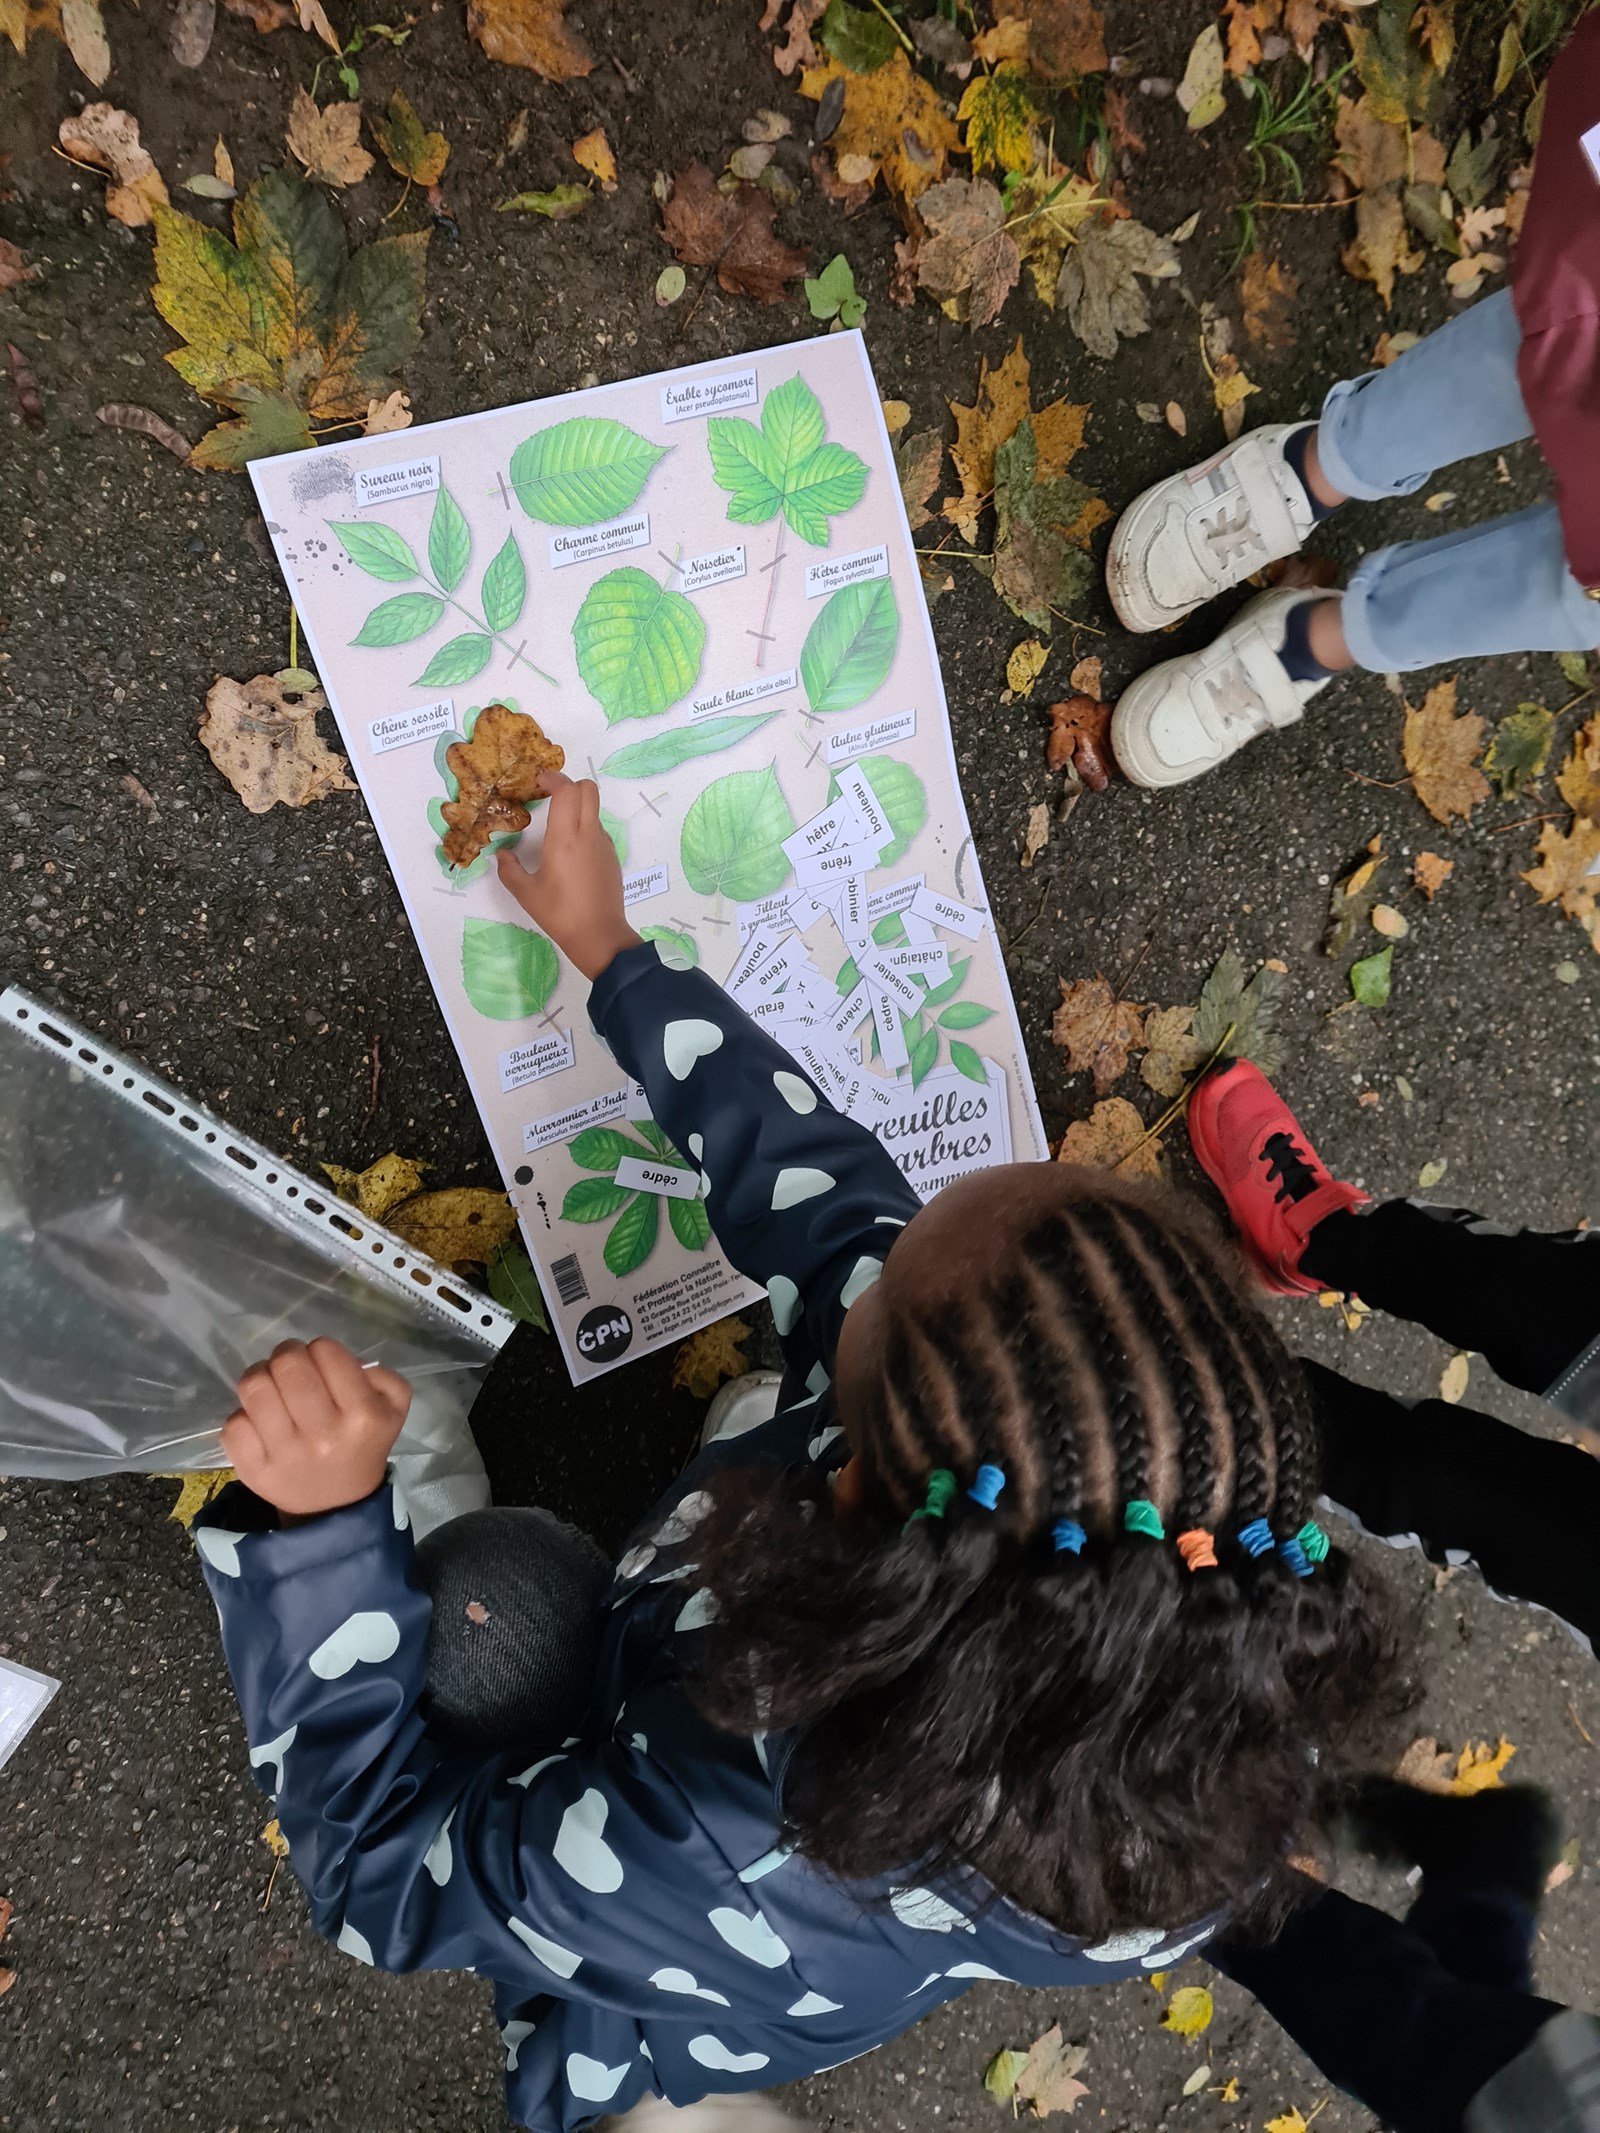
465	1222
195	1490
1112	1137
1048	204
382	1185
892	121
1290	2122
1096	1030
1478	1767
1568	873
999	113
592	152
275	1840
1578	780
1024	666
412	152
709	1356
1440	752
998	406
1189	2011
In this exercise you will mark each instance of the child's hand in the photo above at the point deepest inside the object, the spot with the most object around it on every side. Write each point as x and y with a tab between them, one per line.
575	893
313	1430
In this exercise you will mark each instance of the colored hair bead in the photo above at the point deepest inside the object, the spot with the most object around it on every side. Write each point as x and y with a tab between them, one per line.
1198	1549
1141	1516
1295	1556
1067	1537
1314	1541
941	1487
986	1486
1256	1538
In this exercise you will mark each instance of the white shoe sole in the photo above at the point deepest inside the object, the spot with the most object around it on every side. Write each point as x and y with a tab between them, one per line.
1139	764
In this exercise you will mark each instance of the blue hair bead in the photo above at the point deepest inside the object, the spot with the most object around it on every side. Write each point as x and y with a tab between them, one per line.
1296	1558
1256	1538
1068	1537
986	1486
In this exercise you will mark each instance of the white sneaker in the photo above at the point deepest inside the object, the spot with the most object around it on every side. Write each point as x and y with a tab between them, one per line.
1182	718
743	1403
1195	534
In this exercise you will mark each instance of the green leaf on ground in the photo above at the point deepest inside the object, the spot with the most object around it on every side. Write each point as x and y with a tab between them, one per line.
1226	1000
580	472
733	834
1369	979
1519	749
858	37
507	971
832	293
559	204
638	644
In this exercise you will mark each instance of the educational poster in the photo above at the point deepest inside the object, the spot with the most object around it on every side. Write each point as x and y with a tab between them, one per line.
702	586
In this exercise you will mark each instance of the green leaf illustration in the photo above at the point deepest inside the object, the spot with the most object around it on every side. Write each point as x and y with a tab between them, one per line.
592	1199
785	465
848	976
924	1056
507	971
460	659
398	620
638	644
733	837
966	1061
891	927
691	1225
965	1014
617	830
938	994
632	1236
850	647
665	751
904	800
378	550
580	472
677	950
603	1147
514	1286
449	541
505	586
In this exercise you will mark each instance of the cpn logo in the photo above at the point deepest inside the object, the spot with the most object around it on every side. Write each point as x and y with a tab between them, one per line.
604	1332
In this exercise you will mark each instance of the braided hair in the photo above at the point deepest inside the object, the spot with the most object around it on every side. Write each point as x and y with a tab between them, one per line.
1044	1691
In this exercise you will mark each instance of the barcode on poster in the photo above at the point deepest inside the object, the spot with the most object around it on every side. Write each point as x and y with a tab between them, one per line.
568	1277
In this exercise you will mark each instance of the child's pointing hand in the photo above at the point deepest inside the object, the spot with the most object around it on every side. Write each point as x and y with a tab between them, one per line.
313	1429
575	892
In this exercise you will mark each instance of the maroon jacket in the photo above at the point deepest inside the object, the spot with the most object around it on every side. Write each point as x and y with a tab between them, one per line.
1556	289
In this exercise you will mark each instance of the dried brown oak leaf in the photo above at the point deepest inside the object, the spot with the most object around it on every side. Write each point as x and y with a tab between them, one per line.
1112	1137
108	139
968	259
732	232
327	141
531	34
496	772
1441	751
709	1356
1096	1030
267	746
894	125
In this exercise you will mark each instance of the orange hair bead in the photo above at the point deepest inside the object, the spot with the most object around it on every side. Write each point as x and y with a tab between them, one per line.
1198	1549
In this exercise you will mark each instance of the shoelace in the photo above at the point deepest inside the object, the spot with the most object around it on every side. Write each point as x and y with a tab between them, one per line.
1235	535
1288	1163
1234	697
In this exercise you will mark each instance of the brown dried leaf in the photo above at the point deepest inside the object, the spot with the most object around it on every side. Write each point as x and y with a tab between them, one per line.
266	15
531	34
1086	673
1426	1765
1430	873
1096	1030
83	32
496	771
1568	872
393	413
969	260
732	232
190	30
1578	780
1037	833
1266	291
709	1356
1065	38
108	139
1077	720
797	49
26	387
268	747
1048	2080
120	415
592	152
893	121
1440	751
466	1224
327	141
412	152
1112	1137
918	461
12	269
382	1185
1248	21
1374	157
1172	1053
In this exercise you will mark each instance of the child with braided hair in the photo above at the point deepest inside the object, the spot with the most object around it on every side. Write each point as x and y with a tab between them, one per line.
1007	1646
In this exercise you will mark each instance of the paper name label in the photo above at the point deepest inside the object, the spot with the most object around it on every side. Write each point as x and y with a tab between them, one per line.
532	1062
806	908
825	1072
423	724
852	914
851	1011
891	1037
894	898
739	695
562	1125
906	995
811	868
864	740
872	824
638	1104
702	571
687	398
840	570
649	881
636	1175
759	944
1590	144
779	967
386	485
945	911
621	533
933	962
821	833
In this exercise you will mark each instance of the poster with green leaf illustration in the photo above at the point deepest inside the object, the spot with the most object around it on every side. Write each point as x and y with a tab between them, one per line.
702	586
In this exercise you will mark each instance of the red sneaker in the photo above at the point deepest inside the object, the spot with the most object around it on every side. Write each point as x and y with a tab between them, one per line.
1250	1145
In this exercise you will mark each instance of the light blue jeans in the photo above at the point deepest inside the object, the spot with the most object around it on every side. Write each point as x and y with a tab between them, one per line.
1502	587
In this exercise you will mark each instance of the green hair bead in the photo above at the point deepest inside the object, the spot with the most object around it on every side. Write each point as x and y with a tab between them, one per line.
940	1488
1141	1516
1314	1541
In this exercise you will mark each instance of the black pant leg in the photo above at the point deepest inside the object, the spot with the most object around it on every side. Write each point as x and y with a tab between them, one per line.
1522	1509
1529	1303
1369	2001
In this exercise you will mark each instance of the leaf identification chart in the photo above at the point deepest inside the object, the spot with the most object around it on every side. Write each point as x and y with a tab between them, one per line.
702	585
